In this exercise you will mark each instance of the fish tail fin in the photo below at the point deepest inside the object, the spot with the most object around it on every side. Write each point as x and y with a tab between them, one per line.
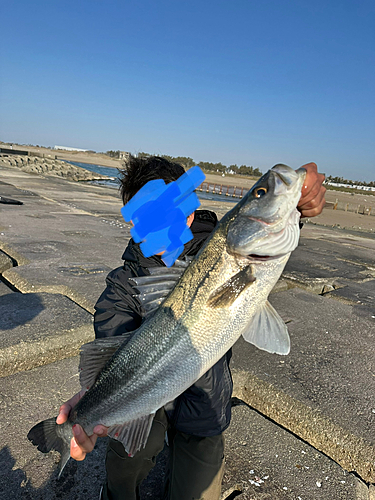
47	436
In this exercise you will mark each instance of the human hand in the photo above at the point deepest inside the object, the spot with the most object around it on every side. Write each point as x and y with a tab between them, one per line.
312	198
81	443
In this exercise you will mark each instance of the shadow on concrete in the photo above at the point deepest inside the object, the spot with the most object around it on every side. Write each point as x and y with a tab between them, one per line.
74	483
79	479
17	309
11	480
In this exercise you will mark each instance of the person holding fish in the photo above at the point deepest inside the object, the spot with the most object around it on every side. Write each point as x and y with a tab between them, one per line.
196	419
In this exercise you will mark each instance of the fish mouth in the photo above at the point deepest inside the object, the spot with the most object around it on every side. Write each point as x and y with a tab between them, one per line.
263	258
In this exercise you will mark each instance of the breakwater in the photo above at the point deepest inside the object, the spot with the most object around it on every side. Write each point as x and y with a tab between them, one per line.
49	167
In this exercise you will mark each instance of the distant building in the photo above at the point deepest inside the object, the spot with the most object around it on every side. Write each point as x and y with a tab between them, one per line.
352	186
64	148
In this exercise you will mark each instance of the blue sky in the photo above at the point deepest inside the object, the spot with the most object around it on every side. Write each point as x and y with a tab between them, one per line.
246	82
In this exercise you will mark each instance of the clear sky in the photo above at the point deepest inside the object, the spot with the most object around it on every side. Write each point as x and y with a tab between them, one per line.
241	81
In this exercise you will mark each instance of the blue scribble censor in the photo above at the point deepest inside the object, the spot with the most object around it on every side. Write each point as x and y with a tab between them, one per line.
159	212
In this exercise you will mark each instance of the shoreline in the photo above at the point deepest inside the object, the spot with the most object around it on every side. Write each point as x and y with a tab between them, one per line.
355	212
102	159
346	217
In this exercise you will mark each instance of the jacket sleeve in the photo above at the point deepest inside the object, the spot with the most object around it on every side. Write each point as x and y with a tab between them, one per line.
117	311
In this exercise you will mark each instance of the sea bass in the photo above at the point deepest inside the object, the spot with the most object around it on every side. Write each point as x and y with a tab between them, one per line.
195	319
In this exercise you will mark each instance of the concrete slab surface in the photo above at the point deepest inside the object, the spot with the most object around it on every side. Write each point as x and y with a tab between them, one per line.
98	199
25	473
318	263
264	461
358	238
67	236
81	281
39	328
5	262
63	248
255	447
323	390
359	293
4	289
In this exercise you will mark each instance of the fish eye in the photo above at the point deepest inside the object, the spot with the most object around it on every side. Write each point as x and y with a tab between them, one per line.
260	191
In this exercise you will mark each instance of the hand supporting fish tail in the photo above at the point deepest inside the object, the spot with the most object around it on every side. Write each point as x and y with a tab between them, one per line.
81	443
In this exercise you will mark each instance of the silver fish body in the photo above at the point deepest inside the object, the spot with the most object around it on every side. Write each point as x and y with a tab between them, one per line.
221	295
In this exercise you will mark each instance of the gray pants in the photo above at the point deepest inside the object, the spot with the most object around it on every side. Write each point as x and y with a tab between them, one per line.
196	465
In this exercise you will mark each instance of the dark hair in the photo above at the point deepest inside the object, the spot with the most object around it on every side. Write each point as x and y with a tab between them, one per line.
138	171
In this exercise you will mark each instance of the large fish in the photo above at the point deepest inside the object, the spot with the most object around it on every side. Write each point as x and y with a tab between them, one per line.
221	295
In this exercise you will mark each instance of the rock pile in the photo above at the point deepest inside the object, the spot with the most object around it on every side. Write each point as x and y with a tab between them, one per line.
49	166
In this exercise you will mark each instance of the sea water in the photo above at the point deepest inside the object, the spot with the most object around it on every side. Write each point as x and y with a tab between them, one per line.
113	181
112	173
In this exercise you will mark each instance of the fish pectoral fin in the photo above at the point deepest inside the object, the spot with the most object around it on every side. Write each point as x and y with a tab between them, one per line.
133	435
94	356
268	331
227	293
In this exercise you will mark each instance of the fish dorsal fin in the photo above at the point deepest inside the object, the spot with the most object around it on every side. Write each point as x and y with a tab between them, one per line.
156	286
150	302
268	331
133	435
227	293
94	356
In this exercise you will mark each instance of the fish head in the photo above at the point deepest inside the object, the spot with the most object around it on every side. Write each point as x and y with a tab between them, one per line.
266	221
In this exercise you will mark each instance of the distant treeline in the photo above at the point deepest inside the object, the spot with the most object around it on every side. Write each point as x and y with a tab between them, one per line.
206	166
341	180
113	154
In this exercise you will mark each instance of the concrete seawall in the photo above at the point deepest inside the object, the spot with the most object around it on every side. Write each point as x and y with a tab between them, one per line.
303	425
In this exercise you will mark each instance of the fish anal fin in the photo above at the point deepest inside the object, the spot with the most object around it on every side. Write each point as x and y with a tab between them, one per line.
267	331
227	293
133	435
94	356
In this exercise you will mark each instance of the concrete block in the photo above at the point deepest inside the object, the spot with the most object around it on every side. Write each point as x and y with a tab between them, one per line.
5	262
267	462
28	397
81	282
37	329
64	240
318	263
323	390
356	293
4	289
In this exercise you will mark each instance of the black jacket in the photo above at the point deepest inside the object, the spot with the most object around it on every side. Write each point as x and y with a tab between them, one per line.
205	408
